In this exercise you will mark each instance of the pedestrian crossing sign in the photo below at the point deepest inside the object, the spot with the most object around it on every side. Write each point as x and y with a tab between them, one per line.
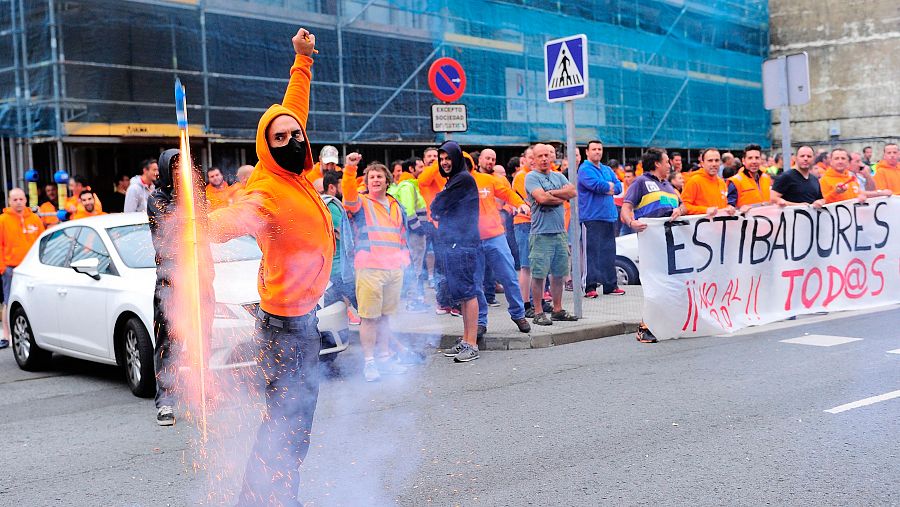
566	69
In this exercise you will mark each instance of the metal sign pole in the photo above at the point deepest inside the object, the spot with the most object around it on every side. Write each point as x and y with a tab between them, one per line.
574	225
786	120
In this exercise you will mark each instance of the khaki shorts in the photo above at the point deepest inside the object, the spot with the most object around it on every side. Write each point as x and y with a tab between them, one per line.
378	291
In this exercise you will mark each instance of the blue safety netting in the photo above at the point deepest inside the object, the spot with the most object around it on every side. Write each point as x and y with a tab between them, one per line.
662	72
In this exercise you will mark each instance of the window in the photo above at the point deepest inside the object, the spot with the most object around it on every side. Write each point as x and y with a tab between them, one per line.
55	247
88	245
134	244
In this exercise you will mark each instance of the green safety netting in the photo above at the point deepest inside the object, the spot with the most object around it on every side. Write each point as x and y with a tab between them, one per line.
663	72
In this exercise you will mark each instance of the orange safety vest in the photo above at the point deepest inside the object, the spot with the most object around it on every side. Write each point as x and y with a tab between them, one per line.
380	235
749	192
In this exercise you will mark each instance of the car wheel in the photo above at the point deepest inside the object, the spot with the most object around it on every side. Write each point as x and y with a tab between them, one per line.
29	356
138	358
626	272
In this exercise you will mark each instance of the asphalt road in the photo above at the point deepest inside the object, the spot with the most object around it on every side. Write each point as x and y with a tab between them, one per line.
737	420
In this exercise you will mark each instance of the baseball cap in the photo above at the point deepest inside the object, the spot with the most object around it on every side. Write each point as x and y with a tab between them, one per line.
329	155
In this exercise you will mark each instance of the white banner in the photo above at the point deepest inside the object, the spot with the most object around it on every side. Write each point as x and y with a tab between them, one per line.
711	276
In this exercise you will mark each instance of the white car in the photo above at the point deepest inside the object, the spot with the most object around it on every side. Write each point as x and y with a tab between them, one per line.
627	260
85	290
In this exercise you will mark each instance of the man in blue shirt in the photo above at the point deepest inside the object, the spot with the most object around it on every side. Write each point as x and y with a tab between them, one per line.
548	251
597	184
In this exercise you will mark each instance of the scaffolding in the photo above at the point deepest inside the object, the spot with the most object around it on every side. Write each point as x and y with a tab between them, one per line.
676	73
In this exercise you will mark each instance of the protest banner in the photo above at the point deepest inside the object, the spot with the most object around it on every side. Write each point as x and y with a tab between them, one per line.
705	276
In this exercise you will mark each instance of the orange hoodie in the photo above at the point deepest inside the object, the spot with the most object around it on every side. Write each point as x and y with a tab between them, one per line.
491	188
17	234
431	182
221	197
702	191
887	177
831	179
283	211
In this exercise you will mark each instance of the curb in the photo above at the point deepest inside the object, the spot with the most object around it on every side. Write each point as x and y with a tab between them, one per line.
539	338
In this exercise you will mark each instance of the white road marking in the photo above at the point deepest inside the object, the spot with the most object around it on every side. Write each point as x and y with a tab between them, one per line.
866	401
896	351
821	340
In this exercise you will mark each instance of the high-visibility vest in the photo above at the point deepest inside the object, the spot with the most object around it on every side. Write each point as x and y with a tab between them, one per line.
380	235
749	192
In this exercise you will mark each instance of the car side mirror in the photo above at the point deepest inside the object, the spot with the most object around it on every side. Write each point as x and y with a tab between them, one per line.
89	266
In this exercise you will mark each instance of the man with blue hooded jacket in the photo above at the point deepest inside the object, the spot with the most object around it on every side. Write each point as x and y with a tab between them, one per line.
597	184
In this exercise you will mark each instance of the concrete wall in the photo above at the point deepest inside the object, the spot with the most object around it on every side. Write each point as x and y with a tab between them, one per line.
854	60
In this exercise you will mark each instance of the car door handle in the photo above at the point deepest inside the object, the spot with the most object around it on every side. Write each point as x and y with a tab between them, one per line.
29	286
62	292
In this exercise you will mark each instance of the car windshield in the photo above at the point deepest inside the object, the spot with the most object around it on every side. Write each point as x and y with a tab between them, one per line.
135	246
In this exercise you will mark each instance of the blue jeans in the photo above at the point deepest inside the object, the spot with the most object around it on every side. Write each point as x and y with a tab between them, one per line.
499	257
600	253
289	359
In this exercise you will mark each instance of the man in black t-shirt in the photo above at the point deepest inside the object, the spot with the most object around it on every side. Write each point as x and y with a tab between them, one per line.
798	186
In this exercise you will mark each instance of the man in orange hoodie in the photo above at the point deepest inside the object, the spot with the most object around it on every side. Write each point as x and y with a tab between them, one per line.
294	231
19	229
77	185
840	184
706	193
88	206
887	170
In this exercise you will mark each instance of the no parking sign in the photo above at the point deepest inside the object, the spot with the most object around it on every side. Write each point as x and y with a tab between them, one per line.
447	79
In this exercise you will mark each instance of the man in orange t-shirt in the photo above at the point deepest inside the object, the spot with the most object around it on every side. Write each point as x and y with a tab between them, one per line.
493	239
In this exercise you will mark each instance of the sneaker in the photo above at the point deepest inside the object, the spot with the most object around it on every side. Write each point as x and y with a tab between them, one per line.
389	366
4	344
442	310
493	303
165	416
548	296
563	316
591	294
529	313
481	331
371	372
468	353
569	287
615	292
523	325
452	351
541	319
417	307
547	306
455	312
498	288
352	318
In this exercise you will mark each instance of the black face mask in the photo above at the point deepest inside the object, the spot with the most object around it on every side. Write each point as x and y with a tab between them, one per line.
291	157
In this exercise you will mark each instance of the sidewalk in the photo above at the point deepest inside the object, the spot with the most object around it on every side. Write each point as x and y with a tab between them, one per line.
604	316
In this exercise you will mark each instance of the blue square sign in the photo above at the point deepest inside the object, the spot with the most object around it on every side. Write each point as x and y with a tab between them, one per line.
566	68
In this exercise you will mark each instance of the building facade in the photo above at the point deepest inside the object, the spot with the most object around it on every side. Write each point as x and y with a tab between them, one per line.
87	84
854	69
